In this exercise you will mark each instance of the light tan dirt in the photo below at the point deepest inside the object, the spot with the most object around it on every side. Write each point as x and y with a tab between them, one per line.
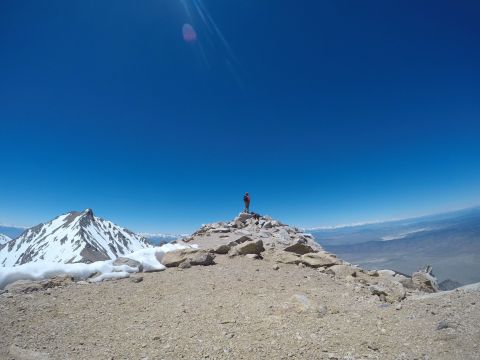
237	309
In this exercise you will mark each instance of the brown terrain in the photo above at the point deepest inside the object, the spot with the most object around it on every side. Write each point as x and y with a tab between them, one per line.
275	294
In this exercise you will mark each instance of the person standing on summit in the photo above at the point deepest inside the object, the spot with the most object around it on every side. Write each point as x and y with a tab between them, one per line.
246	200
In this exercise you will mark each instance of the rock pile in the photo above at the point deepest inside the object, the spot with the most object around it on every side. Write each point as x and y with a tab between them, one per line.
261	237
223	236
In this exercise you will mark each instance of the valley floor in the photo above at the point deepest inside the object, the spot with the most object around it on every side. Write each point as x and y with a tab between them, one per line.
237	309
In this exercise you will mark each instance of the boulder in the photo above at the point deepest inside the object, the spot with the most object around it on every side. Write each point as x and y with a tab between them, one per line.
283	236
424	280
202	258
343	271
193	256
288	258
240	240
319	259
250	247
390	291
300	248
242	217
136	279
129	262
407	283
267	225
222	249
253	256
185	265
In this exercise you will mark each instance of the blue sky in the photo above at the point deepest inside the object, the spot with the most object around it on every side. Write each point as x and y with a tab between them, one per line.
329	112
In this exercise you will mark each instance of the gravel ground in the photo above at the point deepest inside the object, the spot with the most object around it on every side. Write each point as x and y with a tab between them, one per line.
237	309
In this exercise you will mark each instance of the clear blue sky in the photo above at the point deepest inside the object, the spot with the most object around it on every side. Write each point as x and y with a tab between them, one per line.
325	111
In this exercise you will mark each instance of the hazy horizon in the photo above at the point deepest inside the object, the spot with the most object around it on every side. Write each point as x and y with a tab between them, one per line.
323	227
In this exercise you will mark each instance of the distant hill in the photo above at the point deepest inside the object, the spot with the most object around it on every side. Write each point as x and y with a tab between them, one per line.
450	242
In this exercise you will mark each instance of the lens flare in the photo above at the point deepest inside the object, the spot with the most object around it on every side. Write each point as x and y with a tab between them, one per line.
189	33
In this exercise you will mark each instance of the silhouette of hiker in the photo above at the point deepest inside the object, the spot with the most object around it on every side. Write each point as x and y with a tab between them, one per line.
246	200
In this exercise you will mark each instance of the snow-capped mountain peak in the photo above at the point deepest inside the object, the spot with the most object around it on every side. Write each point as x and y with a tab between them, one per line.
71	237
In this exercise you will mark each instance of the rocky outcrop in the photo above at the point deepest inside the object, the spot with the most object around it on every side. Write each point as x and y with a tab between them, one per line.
288	258
424	280
253	227
222	249
343	271
248	247
299	248
390	291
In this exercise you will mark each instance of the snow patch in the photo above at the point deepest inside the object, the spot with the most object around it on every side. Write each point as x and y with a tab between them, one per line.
41	270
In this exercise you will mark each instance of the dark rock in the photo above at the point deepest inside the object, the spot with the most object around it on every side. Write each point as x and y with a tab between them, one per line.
442	325
202	258
222	249
240	240
300	248
250	247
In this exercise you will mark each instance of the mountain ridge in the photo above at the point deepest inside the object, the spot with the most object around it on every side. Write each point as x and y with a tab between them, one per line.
71	237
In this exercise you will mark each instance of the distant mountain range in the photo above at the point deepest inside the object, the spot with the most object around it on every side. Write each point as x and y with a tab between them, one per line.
450	242
160	239
11	231
69	238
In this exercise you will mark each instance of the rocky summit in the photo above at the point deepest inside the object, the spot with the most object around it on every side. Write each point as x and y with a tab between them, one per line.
250	288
